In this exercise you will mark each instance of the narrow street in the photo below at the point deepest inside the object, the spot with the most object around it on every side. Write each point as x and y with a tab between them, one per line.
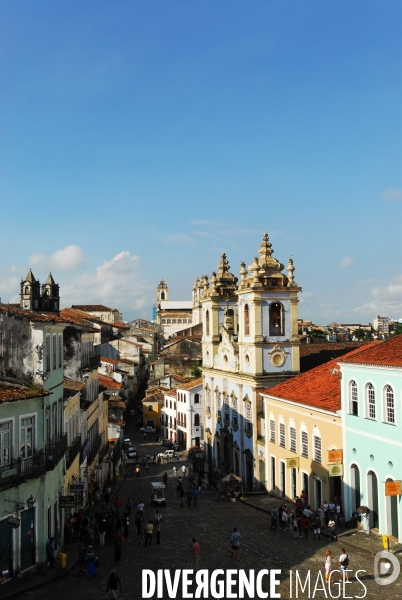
211	524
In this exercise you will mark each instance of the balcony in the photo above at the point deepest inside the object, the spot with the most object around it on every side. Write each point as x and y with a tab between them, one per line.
21	470
91	362
94	450
55	452
73	450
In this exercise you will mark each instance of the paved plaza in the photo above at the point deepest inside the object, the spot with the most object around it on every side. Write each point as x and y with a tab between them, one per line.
211	523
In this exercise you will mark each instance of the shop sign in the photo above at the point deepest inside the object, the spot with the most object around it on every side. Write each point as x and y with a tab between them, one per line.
393	488
13	522
335	456
293	463
77	487
9	473
67	501
335	470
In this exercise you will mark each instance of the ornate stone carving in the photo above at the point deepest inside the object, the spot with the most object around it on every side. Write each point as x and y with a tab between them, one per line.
227	358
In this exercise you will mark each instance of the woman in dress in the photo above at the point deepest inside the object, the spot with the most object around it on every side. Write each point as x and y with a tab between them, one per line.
328	565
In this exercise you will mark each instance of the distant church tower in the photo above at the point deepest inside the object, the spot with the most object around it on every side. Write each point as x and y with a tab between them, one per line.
50	295
30	292
162	292
33	298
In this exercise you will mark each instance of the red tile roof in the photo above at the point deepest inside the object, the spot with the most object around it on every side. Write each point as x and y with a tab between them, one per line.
112	361
318	388
32	315
190	384
80	317
93	307
385	354
109	384
170	393
74	386
11	393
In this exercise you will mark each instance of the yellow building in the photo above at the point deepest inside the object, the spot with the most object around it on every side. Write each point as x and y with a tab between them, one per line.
300	431
152	404
72	393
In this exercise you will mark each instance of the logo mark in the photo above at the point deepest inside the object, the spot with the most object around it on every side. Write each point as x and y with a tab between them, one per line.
382	568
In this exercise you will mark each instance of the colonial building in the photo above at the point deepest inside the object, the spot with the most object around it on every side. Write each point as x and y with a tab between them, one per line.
182	414
250	341
372	421
174	316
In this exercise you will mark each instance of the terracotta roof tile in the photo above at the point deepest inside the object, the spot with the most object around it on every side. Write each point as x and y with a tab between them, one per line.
386	354
94	307
112	361
191	384
12	393
170	393
32	315
74	386
318	388
108	383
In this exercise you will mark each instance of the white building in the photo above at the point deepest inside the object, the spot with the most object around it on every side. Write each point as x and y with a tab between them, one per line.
250	341
183	414
176	315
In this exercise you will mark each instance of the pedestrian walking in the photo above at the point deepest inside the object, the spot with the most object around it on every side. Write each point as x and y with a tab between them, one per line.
183	470
338	514
125	522
305	521
113	585
196	493
50	552
140	507
118	546
296	518
147	467
316	526
195	553
102	531
328	565
274	518
235	543
199	484
157	523
149	529
332	533
165	478
137	523
137	471
343	565
129	506
189	495
174	472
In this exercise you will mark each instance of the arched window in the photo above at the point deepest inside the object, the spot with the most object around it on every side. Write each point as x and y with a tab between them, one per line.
207	323
370	401
389	405
218	400
246	320
162	295
208	399
248	416
353	398
196	420
317	446
27	290
196	399
275	319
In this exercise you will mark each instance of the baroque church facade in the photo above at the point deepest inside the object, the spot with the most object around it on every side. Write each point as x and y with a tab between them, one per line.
250	342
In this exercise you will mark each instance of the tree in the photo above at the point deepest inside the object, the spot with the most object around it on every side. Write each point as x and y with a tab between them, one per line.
196	370
359	333
317	333
398	328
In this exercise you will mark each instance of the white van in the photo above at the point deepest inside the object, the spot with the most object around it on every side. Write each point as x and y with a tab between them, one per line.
158	497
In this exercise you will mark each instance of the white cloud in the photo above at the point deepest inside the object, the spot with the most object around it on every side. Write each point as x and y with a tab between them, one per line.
70	258
346	262
392	195
179	238
385	300
117	283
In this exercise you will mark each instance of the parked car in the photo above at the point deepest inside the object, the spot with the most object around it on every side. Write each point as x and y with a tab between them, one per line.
126	440
131	453
165	442
168	454
148	429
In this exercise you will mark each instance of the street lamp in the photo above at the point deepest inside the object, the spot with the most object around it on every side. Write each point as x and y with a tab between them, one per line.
31	502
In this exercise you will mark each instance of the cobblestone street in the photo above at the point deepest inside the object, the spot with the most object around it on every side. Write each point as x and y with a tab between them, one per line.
211	524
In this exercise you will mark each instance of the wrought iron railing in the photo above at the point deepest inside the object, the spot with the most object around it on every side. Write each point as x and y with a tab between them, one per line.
55	452
73	450
20	470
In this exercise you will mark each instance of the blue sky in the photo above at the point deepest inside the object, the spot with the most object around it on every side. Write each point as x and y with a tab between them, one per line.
139	140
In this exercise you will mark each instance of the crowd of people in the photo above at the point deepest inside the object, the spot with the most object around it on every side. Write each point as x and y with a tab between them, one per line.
300	519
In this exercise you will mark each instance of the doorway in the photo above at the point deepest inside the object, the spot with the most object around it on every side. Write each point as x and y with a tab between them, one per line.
262	474
273	475
283	479
27	539
318	493
373	499
305	484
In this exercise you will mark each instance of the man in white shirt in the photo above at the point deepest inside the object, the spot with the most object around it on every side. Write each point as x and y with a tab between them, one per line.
343	565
